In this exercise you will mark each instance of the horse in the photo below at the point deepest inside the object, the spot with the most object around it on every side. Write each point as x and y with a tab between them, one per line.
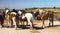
42	15
36	14
50	16
12	16
43	18
28	17
1	19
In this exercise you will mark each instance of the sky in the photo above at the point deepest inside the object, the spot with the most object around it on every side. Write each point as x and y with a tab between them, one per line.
21	4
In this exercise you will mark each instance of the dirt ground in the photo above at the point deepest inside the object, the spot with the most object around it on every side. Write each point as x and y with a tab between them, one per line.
46	30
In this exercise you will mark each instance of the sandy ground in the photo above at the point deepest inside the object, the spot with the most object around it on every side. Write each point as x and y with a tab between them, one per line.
47	30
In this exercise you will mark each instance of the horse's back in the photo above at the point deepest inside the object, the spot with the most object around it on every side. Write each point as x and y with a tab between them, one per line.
28	15
11	16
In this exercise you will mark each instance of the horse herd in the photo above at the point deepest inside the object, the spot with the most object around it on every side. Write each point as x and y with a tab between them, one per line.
14	16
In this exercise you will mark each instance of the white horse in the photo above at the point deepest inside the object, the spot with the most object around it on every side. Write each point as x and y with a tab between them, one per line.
29	17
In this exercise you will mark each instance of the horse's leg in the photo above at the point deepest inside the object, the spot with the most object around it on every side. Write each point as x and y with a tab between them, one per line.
7	22
27	23
43	24
52	22
49	24
0	25
14	22
22	24
11	23
2	22
31	26
17	22
49	21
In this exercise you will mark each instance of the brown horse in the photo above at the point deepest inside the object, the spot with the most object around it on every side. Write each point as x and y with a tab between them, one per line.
40	14
49	15
13	18
43	17
10	18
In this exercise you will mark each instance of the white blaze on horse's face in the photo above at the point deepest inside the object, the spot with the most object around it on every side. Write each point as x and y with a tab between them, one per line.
13	13
7	11
19	12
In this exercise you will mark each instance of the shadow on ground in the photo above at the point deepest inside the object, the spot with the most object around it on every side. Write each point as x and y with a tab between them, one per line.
28	27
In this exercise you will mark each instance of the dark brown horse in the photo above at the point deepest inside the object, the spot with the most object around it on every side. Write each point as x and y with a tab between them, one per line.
1	18
50	16
36	14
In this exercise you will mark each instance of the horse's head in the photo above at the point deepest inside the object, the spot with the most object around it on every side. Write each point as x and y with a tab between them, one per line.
35	11
7	10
